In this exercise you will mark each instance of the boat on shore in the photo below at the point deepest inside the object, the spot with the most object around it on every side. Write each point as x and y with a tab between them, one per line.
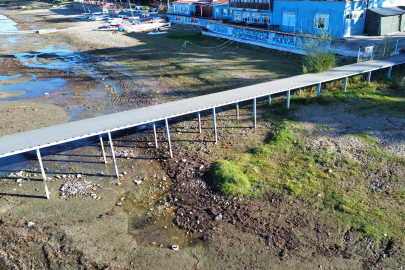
139	26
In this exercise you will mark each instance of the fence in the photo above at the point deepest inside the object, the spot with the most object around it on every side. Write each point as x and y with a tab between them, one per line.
387	47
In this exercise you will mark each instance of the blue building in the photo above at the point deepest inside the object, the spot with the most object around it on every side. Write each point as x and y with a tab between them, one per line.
339	18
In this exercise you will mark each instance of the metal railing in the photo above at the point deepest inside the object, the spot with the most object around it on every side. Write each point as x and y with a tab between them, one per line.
385	48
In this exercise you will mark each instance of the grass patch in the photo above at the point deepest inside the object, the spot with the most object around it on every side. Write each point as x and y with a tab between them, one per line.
366	138
232	182
324	180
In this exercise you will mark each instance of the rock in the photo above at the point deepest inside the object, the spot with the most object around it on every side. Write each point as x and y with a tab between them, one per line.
164	178
218	217
122	198
385	234
328	234
79	175
174	247
20	185
125	173
319	194
30	224
330	171
155	175
64	176
19	180
119	184
138	182
118	204
58	176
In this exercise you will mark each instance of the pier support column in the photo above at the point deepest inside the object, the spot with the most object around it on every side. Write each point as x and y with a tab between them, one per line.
215	125
43	173
319	89
288	99
168	138
154	133
269	99
113	154
368	77
300	90
345	85
199	121
102	148
389	72
237	111
254	113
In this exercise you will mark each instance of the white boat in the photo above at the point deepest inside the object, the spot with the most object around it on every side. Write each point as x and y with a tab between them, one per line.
115	21
158	32
106	27
145	26
84	16
98	17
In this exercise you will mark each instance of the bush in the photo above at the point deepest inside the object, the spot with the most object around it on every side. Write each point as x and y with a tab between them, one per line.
232	182
162	9
319	57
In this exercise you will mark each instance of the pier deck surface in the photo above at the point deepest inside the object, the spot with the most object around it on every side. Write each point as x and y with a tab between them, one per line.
58	134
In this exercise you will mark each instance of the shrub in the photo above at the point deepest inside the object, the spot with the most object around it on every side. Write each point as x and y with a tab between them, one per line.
162	9
319	57
232	182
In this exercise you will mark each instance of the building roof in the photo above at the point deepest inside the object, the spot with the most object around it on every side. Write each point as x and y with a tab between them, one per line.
388	11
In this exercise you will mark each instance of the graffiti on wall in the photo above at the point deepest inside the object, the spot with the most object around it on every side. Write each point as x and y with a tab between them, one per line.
284	39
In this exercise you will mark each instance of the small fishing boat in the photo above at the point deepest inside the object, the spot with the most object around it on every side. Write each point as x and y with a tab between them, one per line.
106	27
84	16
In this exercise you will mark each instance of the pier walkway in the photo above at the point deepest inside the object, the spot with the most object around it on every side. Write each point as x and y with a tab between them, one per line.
103	125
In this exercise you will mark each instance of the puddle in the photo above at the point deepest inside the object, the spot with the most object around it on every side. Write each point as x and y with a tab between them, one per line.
7	24
11	40
50	58
3	78
34	88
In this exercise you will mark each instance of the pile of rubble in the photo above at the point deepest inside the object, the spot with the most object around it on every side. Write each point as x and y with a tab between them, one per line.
74	188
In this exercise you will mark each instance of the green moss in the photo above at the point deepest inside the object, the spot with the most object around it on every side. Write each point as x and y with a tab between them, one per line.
232	181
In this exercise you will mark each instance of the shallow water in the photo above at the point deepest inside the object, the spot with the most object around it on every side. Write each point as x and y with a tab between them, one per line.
34	88
3	78
7	24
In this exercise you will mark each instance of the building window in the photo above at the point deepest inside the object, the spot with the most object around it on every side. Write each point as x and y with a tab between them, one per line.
321	21
256	17
225	12
288	18
246	16
217	12
238	16
355	15
266	18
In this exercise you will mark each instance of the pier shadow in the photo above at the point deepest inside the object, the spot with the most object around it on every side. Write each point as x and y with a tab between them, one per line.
23	195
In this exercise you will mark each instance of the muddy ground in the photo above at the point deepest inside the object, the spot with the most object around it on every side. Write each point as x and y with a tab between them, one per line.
134	225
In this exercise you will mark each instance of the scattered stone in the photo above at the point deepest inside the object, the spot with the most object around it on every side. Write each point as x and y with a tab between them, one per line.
125	173
79	187
138	182
164	178
385	234
328	234
79	175
119	184
118	204
30	224
155	175
174	247
58	176
122	198
64	176
20	185
319	194
19	180
218	217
